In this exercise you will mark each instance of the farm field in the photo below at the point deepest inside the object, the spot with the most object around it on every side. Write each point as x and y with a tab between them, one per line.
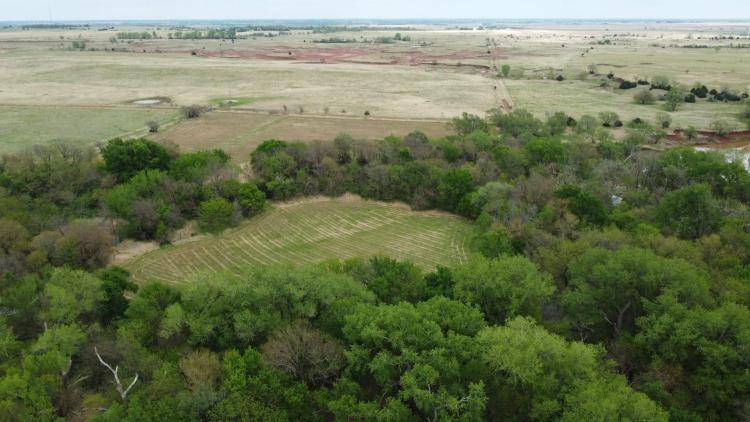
435	72
238	133
310	231
105	78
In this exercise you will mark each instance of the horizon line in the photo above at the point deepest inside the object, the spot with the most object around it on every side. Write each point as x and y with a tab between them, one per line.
447	19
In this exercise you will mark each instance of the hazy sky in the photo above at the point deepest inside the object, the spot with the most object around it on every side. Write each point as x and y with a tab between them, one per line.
333	9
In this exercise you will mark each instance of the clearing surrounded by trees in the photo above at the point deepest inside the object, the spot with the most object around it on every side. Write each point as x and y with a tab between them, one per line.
312	231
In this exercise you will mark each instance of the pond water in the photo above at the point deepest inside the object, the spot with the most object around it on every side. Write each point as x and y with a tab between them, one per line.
147	102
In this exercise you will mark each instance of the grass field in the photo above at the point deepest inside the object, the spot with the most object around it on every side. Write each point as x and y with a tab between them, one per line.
24	126
313	231
545	97
238	133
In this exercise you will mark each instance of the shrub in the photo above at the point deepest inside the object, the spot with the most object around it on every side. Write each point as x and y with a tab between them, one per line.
628	85
609	119
664	119
661	82
727	97
644	96
505	70
691	133
192	111
637	123
699	91
690	98
560	78
153	126
723	127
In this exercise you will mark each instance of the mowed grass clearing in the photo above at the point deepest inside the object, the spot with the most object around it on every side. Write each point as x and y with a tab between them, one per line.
239	133
312	231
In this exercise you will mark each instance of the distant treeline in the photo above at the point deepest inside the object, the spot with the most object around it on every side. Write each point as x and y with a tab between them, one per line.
378	40
137	35
731	45
54	26
211	34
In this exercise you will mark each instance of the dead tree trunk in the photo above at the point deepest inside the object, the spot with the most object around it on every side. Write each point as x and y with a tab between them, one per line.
123	391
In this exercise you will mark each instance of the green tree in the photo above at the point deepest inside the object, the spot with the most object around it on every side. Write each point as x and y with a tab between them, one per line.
708	347
674	98
454	186
126	158
215	215
505	70
690	212
493	243
115	282
70	294
542	151
410	362
540	376
516	123
468	123
587	125
587	207
607	290
256	392
251	199
503	287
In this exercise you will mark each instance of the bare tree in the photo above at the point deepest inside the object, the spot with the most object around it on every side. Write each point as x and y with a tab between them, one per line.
305	353
123	392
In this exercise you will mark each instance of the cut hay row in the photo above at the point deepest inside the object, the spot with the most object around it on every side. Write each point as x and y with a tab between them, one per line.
309	232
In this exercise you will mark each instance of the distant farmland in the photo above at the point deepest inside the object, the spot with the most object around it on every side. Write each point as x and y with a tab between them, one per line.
313	231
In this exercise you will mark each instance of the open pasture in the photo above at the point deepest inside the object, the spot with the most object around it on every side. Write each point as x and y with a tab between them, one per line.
312	231
435	72
21	127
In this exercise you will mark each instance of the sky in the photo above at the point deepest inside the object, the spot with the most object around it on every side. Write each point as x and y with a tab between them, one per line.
361	9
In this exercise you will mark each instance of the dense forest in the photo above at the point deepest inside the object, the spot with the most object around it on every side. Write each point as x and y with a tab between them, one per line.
608	282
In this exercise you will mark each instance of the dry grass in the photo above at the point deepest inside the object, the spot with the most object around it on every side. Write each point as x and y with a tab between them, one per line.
238	133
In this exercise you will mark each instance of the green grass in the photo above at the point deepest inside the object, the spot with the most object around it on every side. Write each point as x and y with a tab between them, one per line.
21	127
309	232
